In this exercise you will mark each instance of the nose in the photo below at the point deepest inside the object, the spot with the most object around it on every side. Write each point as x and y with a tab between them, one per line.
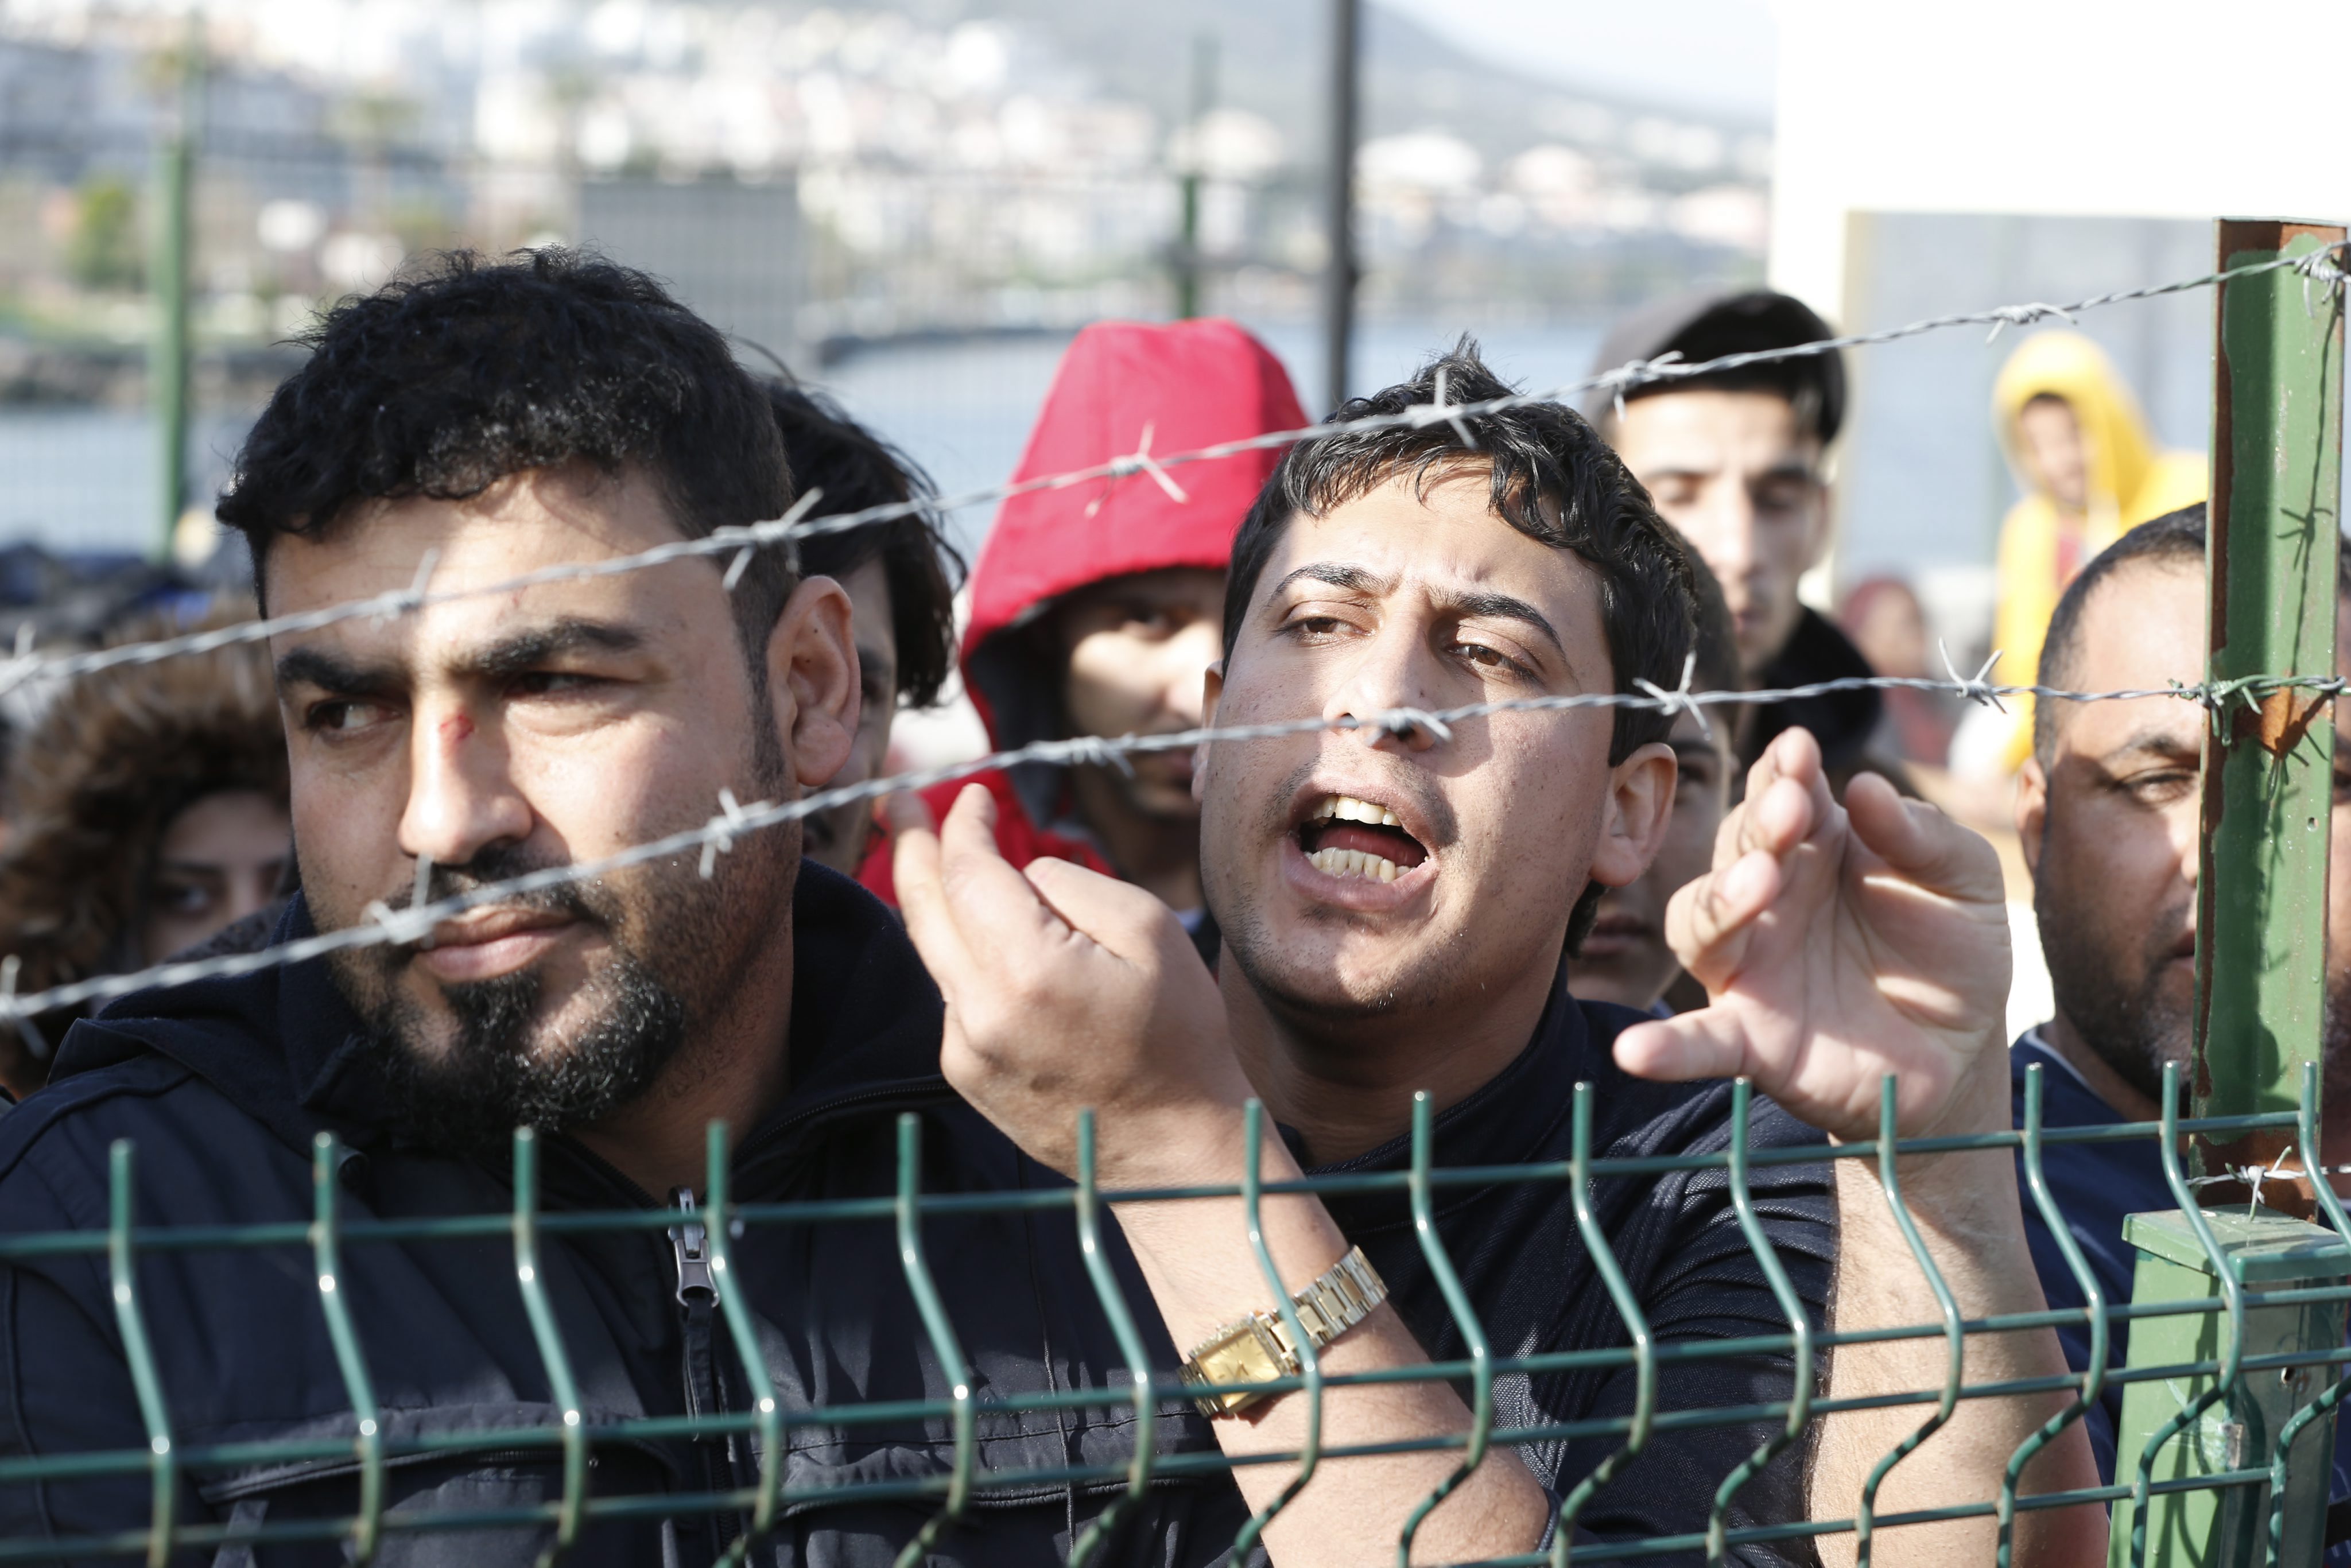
462	797
1390	672
1184	664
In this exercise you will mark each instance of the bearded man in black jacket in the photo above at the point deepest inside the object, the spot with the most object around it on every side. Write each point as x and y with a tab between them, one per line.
1396	891
487	421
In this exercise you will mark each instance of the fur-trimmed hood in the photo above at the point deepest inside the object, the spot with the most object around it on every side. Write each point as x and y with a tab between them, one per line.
95	783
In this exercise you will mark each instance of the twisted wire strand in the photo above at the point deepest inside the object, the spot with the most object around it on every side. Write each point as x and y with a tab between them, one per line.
414	920
2323	266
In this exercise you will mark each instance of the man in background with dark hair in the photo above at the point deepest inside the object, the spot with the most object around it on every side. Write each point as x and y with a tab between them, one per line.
1395	899
1738	462
490	422
1625	957
2107	807
900	577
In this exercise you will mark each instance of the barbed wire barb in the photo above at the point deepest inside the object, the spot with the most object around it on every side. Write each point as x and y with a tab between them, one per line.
1980	689
1679	700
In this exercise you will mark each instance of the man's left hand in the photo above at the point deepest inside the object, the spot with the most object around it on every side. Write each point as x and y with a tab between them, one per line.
1838	944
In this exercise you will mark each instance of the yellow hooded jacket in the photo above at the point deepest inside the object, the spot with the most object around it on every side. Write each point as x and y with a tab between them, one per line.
2130	481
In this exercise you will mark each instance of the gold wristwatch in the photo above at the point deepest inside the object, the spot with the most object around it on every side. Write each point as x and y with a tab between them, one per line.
1257	1349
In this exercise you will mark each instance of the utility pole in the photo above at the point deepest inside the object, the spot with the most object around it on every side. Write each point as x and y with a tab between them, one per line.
1339	199
1203	99
168	357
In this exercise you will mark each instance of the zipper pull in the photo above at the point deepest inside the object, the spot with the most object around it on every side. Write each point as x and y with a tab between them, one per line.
692	1244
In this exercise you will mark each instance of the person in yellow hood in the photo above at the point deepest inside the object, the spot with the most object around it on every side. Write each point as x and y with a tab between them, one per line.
2080	447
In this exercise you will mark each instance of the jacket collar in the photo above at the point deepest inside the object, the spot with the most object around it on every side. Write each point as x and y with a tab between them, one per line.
1842	722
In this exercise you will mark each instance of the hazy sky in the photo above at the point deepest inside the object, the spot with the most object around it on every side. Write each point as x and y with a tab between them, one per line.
1703	53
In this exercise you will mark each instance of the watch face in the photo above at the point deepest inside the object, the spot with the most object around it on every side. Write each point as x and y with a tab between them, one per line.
1242	1354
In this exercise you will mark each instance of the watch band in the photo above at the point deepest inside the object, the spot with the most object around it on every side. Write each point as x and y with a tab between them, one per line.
1258	1348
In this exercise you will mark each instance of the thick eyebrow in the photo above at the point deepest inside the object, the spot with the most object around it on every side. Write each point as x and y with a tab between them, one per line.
525	650
1684	468
2169	745
1354	579
508	656
317	667
1490	606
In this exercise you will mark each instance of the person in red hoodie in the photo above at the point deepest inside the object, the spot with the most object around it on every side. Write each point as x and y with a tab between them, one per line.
1096	608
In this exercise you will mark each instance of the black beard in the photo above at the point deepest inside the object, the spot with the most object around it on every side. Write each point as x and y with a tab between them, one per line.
490	1082
2115	999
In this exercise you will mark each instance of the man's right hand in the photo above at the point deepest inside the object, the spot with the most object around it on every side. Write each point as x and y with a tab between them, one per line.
1065	989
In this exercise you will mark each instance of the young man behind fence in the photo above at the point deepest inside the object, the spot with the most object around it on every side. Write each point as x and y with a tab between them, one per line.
2107	810
1395	899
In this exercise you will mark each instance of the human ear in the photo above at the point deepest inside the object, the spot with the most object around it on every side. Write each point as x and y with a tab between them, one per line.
1212	688
1640	802
2032	810
812	681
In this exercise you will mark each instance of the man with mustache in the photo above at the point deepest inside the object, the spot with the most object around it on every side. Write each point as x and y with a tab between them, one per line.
1396	892
2107	810
489	422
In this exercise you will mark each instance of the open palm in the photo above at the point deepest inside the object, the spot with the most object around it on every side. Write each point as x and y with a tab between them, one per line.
1838	944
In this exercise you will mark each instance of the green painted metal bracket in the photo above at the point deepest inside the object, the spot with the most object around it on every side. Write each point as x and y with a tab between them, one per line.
2319	1412
2223	1432
1464	1318
2277	476
942	1334
1800	1327
540	1309
2094	1297
327	1258
146	1381
1309	1364
1130	1344
1955	1364
1636	1328
767	1411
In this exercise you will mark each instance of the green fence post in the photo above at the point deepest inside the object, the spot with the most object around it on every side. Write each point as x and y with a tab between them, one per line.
2261	977
2277	474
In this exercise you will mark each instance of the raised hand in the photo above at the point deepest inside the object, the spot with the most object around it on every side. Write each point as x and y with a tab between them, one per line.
1837	944
1065	989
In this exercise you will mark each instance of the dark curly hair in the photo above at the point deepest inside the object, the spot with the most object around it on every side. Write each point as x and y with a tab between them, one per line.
855	468
466	370
1553	478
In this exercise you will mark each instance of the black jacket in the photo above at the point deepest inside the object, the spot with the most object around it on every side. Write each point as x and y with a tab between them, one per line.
221	1086
1843	722
1677	1240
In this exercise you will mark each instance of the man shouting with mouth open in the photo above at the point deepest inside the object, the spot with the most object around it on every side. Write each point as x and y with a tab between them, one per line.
1399	899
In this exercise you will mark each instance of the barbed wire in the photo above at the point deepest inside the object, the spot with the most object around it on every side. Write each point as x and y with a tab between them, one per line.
2323	268
412	921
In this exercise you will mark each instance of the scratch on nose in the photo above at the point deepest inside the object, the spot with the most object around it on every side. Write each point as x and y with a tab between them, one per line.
455	727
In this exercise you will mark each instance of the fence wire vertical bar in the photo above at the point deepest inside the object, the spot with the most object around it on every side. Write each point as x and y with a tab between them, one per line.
941	1331
1800	1326
2271	548
1889	1178
1636	1327
1464	1318
1309	1364
122	1270
2323	1190
2093	1296
2232	1295
334	1302
1130	1345
766	1413
540	1309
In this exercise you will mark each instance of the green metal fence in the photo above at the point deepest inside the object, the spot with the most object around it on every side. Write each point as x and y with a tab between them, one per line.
2235	1373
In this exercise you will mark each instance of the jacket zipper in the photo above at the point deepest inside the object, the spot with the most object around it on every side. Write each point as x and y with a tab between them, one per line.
706	1391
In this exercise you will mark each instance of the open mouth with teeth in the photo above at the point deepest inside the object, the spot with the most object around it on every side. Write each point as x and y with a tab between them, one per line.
1343	836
